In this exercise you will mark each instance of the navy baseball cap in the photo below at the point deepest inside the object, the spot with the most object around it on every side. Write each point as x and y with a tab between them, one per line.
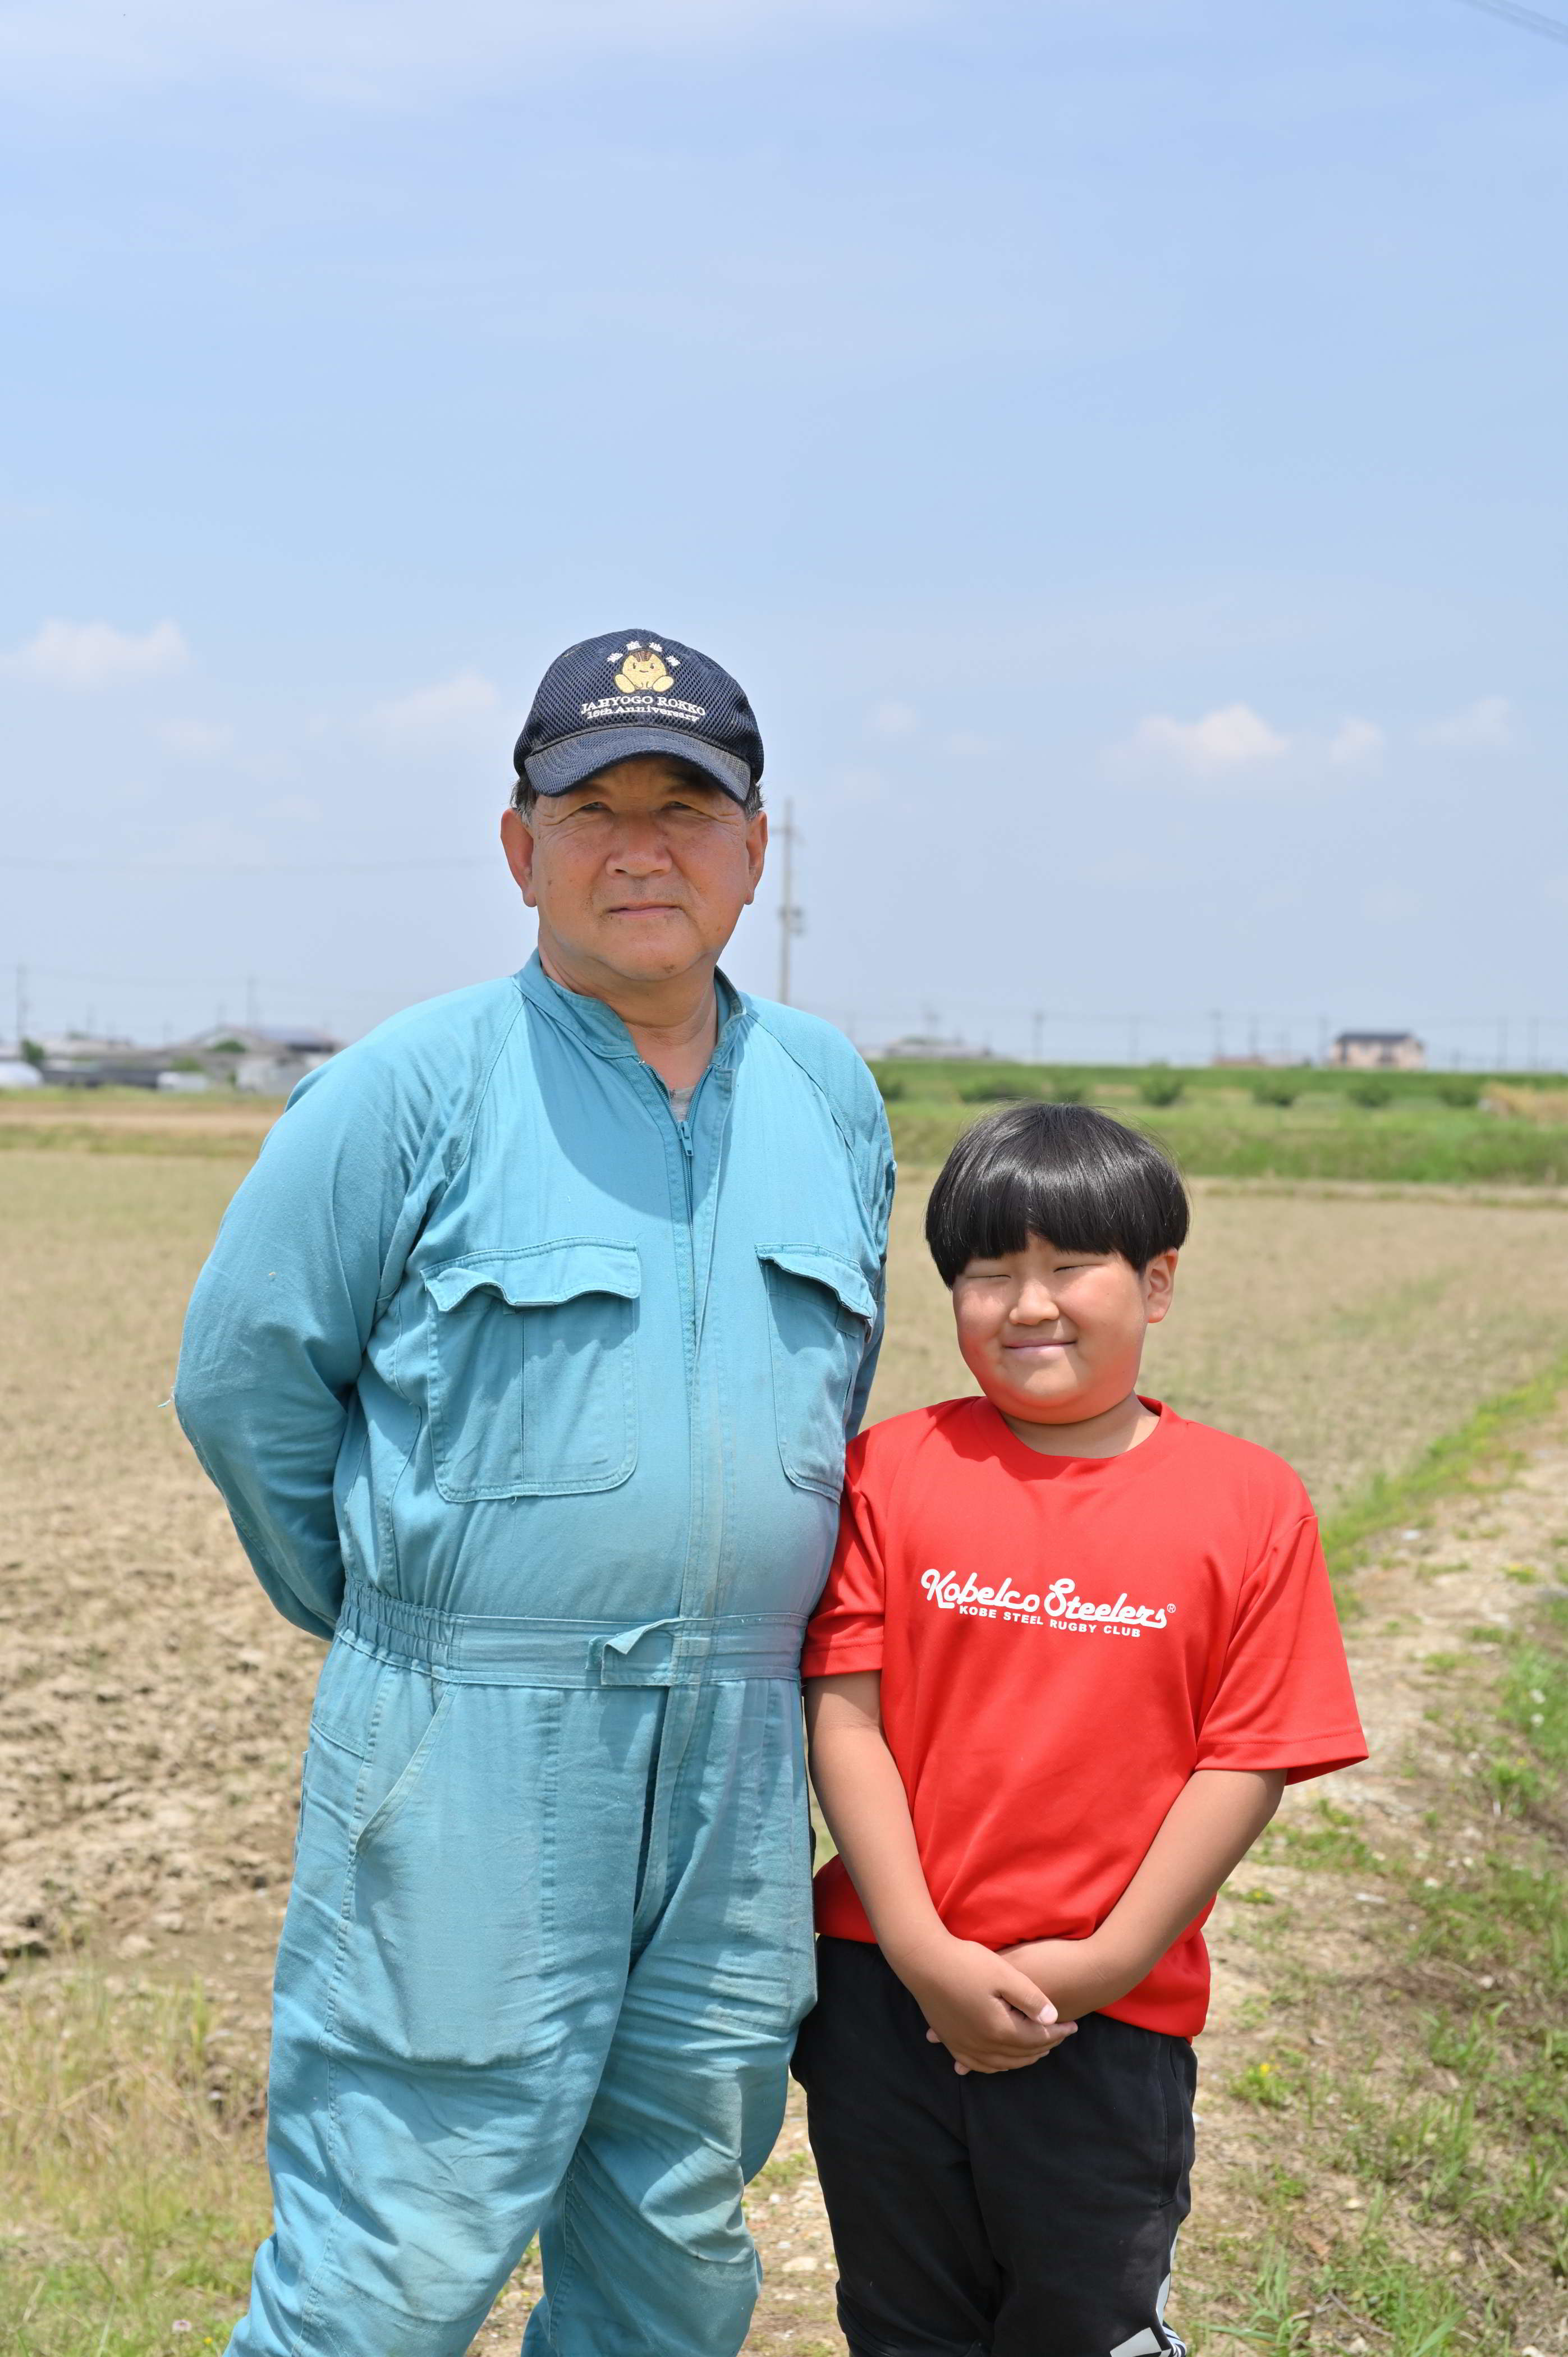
633	692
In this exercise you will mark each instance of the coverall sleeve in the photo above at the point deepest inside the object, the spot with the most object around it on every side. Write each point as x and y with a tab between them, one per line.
309	1251
880	1218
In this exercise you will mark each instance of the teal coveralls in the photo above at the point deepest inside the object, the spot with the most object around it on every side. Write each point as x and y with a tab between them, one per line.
534	1400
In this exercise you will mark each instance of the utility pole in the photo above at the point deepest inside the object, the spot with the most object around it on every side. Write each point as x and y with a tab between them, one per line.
1133	1023
21	1006
791	916
1037	1035
251	1016
1217	1016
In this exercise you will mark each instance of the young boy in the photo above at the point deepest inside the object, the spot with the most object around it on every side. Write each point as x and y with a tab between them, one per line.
1071	1649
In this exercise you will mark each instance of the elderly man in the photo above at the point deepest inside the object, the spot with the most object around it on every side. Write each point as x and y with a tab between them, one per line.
525	1362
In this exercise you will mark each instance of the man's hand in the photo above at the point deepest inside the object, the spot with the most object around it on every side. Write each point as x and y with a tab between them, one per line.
988	2015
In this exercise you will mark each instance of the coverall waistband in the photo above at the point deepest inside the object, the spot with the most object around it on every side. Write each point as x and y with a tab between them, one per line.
521	1651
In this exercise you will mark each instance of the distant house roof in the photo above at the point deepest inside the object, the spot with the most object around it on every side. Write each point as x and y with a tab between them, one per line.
263	1039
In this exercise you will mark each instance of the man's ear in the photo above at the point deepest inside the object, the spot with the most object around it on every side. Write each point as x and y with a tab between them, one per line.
517	842
756	851
1159	1286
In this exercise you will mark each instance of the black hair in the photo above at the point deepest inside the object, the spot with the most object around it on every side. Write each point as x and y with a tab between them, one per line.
1063	1172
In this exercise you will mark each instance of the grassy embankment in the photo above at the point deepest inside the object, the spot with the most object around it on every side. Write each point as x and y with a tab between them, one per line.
1394	1127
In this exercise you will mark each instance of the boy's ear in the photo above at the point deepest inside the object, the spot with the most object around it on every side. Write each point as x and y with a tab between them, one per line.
1159	1286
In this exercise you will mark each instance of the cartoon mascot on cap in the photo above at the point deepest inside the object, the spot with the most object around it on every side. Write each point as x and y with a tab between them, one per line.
643	669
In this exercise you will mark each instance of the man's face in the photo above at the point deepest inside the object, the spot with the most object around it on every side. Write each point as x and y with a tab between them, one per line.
1055	1337
639	876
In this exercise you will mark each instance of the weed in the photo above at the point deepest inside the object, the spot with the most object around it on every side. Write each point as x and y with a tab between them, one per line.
1263	2084
152	2190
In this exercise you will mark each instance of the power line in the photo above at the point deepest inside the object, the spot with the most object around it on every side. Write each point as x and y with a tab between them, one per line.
1529	20
173	869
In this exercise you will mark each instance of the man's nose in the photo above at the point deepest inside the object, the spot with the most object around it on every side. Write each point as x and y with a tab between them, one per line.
639	848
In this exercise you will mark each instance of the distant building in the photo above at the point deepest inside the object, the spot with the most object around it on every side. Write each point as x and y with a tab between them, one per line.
15	1072
1379	1051
262	1060
917	1047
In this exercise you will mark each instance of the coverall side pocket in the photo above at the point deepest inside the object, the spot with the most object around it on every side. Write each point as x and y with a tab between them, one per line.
533	1370
449	1933
821	1313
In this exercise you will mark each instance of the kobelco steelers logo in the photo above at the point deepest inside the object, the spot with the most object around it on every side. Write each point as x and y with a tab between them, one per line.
641	670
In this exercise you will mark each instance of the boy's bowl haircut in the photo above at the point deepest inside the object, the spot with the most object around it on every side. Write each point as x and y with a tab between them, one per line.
1063	1172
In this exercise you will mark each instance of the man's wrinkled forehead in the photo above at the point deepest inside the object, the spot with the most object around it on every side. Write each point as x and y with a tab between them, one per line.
640	778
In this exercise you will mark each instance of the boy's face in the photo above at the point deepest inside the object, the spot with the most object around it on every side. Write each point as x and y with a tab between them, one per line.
1055	1337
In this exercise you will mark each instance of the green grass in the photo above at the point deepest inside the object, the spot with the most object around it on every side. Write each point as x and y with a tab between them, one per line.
1447	1464
1220	1124
1452	2116
130	2194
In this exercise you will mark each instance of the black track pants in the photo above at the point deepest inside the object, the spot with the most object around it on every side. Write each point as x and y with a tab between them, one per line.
1029	2213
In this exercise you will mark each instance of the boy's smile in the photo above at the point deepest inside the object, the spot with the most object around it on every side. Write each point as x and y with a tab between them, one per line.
1054	1338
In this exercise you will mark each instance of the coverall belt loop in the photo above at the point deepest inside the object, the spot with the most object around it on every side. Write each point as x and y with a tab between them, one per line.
526	1649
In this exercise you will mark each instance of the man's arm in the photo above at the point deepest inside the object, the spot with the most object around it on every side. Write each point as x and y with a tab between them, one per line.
274	1338
866	1372
984	2010
1207	1831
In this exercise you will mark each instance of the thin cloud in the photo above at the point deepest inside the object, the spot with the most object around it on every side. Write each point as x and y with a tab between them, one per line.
1229	745
1357	745
449	707
90	655
891	719
343	50
1485	726
195	740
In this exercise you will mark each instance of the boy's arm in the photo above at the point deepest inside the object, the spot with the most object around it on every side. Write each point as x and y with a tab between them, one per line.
1210	1827
984	2010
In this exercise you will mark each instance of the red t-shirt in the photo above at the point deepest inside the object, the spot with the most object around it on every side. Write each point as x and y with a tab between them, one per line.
1063	1640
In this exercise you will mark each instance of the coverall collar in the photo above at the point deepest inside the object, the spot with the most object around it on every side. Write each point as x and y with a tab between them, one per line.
600	1028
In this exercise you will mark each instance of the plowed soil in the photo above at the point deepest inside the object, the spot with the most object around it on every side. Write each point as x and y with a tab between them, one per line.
154	1707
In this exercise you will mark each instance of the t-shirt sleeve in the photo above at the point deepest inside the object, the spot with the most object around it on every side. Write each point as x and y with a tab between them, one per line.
844	1634
1283	1698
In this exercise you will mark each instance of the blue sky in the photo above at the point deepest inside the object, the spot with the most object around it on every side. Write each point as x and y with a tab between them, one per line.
1118	445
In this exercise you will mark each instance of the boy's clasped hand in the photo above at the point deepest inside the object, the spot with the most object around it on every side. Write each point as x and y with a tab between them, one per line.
988	2013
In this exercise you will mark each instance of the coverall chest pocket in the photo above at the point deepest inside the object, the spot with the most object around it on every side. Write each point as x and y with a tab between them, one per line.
533	1370
820	1314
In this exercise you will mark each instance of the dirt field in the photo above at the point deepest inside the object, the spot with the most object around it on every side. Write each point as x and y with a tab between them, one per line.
155	1709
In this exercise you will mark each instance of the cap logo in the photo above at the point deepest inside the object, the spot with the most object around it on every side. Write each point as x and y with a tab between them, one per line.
641	670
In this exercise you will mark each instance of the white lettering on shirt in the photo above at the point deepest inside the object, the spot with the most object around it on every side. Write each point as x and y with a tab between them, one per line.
1060	1606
